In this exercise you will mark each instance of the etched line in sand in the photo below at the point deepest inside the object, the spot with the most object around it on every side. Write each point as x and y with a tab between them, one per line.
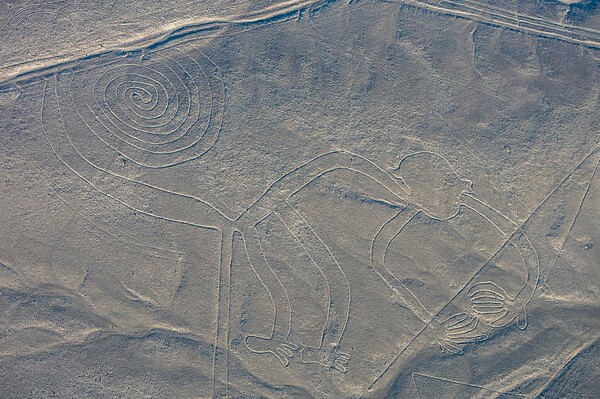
500	17
223	309
167	35
583	197
449	382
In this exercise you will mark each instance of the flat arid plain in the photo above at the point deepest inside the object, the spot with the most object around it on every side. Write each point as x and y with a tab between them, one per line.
300	199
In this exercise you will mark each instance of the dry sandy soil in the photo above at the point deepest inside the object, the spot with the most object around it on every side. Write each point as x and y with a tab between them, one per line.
299	199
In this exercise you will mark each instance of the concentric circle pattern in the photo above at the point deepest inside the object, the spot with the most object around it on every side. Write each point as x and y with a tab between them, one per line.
159	110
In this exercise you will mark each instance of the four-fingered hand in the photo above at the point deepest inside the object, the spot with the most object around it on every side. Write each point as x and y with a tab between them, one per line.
493	304
328	357
277	346
456	331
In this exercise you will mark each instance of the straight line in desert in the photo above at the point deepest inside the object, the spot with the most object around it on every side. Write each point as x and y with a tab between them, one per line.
507	19
26	70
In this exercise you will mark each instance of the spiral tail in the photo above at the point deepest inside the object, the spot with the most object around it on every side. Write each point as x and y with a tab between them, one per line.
158	110
118	138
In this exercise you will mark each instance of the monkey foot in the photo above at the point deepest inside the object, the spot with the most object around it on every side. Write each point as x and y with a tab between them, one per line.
326	356
276	346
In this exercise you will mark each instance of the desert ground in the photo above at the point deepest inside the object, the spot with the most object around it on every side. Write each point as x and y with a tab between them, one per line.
300	199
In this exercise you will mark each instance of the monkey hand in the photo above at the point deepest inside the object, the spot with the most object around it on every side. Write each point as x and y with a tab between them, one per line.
492	304
276	346
457	331
328	357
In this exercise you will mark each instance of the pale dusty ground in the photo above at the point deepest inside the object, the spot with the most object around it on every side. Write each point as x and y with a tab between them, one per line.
302	199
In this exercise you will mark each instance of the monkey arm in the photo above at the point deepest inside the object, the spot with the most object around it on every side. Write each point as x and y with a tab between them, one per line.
489	300
379	248
513	235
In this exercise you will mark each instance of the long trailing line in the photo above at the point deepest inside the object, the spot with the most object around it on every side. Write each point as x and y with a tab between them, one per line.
284	12
171	34
500	18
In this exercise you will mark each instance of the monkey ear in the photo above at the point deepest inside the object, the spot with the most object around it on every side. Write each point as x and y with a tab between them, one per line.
399	180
